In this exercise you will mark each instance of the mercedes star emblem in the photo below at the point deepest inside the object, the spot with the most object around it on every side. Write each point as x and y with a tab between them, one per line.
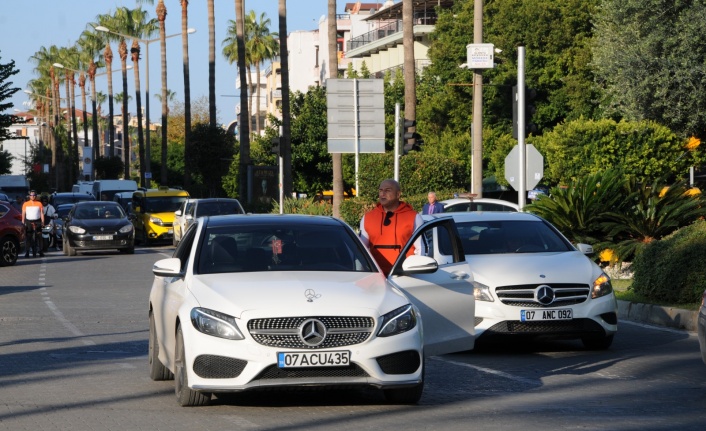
312	332
545	295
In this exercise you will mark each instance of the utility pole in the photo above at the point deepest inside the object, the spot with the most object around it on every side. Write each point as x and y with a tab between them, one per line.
477	132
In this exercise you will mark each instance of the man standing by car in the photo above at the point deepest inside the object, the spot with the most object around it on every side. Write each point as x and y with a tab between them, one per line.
434	206
32	215
386	228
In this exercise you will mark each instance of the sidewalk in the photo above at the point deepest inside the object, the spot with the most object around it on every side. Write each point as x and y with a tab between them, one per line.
657	315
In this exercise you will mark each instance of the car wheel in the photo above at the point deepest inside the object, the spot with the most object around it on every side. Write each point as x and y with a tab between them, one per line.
408	395
157	370
597	343
9	249
185	396
68	250
145	239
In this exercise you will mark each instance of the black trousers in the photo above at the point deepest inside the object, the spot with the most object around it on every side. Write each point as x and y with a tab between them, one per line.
33	236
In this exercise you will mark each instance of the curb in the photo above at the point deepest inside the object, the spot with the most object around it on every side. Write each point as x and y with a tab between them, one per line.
657	315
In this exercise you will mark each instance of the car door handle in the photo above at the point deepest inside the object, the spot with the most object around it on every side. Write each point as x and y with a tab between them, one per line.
459	275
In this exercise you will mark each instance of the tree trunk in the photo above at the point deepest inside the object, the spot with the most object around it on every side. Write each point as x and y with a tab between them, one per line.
244	120
211	65
337	158
161	16
135	52
286	142
187	92
126	141
82	85
108	55
410	89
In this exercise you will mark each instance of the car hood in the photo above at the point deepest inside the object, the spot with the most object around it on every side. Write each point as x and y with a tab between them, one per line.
528	268
297	293
167	217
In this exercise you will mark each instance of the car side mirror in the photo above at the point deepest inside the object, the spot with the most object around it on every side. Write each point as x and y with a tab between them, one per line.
419	265
170	267
177	213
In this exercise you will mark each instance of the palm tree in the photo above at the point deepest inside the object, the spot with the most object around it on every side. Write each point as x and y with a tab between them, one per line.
261	46
187	91
161	16
211	65
244	120
336	158
230	52
285	144
91	43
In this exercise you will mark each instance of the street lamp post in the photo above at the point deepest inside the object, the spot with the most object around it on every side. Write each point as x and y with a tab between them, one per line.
148	152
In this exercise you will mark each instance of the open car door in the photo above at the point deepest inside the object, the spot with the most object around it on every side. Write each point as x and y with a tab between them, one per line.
443	292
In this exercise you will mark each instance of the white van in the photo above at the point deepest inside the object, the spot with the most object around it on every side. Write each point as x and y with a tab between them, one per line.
82	187
104	190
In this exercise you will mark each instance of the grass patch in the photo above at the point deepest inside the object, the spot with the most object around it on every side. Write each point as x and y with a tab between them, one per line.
623	292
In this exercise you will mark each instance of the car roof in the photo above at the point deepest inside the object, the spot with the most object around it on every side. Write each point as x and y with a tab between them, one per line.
480	201
485	216
271	219
215	200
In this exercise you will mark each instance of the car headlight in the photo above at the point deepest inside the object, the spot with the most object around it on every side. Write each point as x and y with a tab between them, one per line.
214	323
601	286
76	229
482	292
156	220
398	321
126	229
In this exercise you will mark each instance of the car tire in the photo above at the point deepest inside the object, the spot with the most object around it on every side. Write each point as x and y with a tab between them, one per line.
68	250
10	249
185	396
408	395
157	370
597	342
145	239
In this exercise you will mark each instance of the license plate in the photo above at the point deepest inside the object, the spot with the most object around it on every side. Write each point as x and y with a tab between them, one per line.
313	359
555	314
102	237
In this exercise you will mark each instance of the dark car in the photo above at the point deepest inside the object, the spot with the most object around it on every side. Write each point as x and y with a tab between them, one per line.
56	199
211	207
98	225
12	233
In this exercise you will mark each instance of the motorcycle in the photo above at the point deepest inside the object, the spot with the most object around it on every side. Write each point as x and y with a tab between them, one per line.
47	237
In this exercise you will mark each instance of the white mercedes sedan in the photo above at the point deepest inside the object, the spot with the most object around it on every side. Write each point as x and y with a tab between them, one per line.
530	281
257	301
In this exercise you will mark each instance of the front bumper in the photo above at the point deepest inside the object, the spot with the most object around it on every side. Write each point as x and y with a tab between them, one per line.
87	241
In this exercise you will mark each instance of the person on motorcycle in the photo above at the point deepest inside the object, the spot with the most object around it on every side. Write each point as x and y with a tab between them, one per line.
32	215
49	215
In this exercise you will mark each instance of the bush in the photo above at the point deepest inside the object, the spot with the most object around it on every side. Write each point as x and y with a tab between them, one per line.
673	270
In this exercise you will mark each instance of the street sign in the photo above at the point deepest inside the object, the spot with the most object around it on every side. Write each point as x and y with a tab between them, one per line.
534	163
356	112
480	55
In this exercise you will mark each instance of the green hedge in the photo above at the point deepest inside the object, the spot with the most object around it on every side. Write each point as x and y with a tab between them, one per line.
673	269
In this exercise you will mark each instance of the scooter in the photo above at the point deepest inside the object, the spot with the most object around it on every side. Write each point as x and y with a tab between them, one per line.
47	237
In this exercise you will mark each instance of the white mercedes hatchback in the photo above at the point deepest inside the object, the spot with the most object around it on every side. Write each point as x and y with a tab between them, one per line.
530	281
290	301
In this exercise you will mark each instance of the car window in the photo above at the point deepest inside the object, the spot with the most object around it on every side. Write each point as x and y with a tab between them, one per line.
485	206
508	236
101	210
248	248
217	208
458	207
163	204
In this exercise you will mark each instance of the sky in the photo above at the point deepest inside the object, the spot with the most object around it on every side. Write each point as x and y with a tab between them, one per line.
28	25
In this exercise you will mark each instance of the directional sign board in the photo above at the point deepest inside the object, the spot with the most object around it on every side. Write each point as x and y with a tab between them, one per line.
480	55
356	115
534	171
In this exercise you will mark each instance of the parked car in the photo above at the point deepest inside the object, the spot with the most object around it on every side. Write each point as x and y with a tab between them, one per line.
295	301
12	233
98	225
4	197
462	204
701	327
210	207
56	199
62	211
180	220
153	213
530	281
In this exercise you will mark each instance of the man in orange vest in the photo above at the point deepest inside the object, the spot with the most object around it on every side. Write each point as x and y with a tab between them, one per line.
386	228
33	219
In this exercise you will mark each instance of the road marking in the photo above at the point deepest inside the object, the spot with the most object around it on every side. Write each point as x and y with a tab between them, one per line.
502	374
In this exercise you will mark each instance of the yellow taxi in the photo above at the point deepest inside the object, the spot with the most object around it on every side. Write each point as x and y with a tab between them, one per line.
153	213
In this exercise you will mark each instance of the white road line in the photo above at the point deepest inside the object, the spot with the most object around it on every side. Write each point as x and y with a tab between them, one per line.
491	371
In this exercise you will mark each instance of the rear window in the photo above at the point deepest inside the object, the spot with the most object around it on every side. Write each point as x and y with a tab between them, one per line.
217	208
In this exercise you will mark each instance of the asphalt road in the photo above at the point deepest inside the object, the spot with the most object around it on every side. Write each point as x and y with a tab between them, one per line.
73	356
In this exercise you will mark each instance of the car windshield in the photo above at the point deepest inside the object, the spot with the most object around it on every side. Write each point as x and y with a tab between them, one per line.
512	236
254	248
163	204
217	208
63	210
99	211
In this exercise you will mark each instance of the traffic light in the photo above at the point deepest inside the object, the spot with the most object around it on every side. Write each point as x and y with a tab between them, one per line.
412	140
530	110
276	145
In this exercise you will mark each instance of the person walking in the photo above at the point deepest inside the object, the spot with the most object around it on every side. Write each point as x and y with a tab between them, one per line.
434	206
386	228
32	215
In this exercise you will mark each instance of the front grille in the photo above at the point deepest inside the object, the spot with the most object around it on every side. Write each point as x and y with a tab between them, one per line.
284	332
218	367
545	327
405	362
274	372
101	244
524	295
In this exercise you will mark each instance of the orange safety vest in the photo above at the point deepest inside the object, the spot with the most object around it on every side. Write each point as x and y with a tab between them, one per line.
386	242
